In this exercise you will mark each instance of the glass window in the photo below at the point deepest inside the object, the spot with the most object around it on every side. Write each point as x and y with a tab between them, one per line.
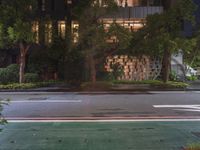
61	29
75	31
129	3
69	2
35	30
48	33
132	25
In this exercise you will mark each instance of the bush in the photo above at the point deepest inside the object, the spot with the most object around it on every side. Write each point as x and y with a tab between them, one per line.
31	77
192	78
3	76
15	86
117	71
9	74
2	120
73	68
155	83
173	76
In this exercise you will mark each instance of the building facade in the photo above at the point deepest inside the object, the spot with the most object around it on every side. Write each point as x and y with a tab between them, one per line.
55	18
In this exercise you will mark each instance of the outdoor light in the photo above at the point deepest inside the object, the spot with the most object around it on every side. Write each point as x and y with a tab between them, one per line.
69	2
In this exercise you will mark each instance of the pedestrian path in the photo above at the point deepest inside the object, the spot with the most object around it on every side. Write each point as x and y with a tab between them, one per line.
99	136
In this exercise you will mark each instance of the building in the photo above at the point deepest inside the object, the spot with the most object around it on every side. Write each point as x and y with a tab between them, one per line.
58	17
54	18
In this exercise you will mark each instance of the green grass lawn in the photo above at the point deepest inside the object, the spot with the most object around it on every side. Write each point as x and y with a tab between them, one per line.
99	136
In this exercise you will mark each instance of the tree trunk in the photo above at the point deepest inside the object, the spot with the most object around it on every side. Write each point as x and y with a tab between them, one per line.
23	52
166	65
21	69
92	69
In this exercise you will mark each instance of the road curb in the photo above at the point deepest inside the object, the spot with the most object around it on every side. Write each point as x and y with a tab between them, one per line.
129	91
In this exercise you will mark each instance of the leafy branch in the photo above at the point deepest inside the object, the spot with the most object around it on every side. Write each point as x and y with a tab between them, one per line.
2	119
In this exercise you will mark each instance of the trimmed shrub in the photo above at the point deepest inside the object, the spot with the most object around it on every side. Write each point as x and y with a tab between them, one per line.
192	78
3	76
31	77
16	86
9	74
2	120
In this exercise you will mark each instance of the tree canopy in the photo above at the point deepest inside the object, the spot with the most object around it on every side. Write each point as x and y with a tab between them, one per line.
97	41
16	27
162	33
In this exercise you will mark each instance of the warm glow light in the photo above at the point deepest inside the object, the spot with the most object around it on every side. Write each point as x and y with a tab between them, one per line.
48	32
35	30
62	29
75	31
132	25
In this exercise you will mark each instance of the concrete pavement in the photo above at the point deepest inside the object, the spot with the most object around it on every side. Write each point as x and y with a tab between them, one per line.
101	121
76	106
100	136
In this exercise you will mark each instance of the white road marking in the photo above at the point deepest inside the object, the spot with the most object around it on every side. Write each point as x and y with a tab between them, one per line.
191	108
170	92
194	110
197	92
45	101
96	121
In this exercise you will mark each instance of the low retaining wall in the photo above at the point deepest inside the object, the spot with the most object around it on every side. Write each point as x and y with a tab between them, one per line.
135	68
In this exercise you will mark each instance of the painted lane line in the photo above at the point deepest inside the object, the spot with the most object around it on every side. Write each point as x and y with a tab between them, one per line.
96	121
46	101
101	118
190	108
175	106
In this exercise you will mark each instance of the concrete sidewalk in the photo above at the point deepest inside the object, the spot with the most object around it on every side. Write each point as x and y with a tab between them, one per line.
194	85
100	136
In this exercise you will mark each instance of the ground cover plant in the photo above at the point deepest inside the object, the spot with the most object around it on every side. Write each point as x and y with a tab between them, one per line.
155	83
2	120
28	85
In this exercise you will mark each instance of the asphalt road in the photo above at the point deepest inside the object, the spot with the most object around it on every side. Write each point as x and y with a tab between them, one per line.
66	106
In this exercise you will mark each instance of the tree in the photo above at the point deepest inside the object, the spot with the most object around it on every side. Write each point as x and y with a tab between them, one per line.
56	55
96	41
192	50
16	28
2	120
161	35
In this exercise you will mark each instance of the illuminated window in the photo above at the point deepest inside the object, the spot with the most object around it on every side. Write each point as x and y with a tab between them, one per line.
132	25
61	29
35	30
30	7
69	2
128	2
101	3
75	31
48	33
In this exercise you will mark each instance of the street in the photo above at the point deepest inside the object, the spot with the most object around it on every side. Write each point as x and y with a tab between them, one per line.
101	121
81	106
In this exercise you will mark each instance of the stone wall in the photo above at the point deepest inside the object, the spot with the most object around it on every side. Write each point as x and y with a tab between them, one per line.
135	68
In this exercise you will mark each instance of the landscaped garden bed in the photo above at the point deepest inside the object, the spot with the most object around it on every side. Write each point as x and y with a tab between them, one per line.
154	83
14	86
133	85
